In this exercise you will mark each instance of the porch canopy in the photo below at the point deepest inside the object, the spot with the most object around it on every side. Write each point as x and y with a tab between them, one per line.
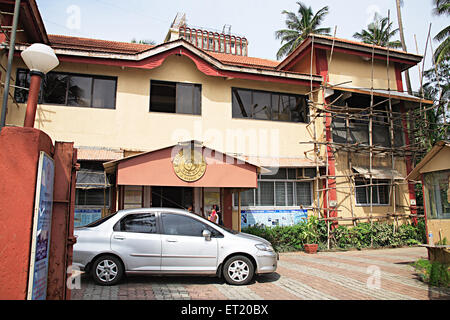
188	164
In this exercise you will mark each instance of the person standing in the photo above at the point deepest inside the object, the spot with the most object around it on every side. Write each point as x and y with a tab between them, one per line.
214	217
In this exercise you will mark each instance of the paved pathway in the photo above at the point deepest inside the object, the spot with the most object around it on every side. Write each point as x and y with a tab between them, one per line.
353	275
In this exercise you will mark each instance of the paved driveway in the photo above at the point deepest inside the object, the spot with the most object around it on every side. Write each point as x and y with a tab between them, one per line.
354	275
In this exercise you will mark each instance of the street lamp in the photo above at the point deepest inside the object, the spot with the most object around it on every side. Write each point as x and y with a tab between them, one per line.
40	59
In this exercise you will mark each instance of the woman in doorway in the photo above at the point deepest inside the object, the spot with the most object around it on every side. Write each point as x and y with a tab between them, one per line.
220	221
214	217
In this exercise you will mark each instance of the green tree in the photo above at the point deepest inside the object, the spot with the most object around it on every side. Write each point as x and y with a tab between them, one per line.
150	42
379	32
299	26
442	8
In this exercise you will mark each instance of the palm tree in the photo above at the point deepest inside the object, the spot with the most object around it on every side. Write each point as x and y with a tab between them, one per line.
379	33
442	7
299	27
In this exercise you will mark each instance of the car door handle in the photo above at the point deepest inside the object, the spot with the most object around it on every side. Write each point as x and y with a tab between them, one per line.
119	237
171	240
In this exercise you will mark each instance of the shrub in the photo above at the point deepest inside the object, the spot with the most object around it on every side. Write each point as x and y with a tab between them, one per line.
361	236
436	274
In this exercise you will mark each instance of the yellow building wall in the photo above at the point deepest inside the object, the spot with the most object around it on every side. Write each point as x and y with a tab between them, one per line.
440	162
440	229
354	71
132	127
345	187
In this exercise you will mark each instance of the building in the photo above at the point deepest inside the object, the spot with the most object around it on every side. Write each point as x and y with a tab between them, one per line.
434	173
323	131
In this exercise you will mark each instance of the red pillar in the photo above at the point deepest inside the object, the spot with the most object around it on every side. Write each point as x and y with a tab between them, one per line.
408	160
19	156
33	97
227	209
331	193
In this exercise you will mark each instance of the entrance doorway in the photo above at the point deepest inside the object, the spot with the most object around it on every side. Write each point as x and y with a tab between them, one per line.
172	197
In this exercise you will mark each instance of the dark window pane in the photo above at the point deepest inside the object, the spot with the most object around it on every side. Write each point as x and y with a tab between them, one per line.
374	192
179	225
290	193
92	197
281	110
242	104
163	97
310	172
280	194
266	193
188	99
361	192
80	89
275	174
22	80
299	109
139	223
292	174
55	88
381	135
261	105
247	198
383	191
104	95
303	190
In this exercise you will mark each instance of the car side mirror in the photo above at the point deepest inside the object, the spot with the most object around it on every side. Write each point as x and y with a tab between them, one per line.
207	235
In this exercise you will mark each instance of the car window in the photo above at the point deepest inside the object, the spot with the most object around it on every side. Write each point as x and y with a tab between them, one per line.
179	225
100	221
138	223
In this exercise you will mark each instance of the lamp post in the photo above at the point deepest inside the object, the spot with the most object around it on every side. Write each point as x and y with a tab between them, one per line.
40	59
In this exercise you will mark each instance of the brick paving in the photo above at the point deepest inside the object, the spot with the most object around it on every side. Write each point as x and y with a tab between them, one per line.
351	275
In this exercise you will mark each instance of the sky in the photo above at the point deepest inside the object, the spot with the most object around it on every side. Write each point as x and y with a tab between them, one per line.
257	20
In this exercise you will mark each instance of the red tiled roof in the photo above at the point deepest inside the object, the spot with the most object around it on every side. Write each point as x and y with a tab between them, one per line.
77	43
359	43
243	60
106	46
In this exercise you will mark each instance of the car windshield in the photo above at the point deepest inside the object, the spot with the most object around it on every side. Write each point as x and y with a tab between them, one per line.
99	222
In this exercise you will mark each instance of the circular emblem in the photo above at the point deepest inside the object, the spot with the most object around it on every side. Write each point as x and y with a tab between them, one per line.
189	167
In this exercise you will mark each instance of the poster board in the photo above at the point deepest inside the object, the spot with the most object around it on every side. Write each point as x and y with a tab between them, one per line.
42	217
83	217
273	217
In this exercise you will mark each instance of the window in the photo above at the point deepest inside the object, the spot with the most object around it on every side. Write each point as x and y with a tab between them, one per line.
380	192
355	128
178	225
172	97
133	197
138	223
437	194
261	105
92	197
70	90
282	189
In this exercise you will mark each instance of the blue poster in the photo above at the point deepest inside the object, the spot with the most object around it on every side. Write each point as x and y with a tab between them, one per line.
37	286
83	217
273	218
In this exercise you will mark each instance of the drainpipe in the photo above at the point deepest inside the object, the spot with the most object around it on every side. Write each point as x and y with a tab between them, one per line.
12	45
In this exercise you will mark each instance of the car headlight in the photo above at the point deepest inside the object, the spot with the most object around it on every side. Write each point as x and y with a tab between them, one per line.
264	247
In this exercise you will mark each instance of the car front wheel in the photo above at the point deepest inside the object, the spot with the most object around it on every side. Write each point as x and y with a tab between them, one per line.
107	270
238	270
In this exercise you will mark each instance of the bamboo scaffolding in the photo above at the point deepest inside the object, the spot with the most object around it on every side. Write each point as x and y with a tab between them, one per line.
380	111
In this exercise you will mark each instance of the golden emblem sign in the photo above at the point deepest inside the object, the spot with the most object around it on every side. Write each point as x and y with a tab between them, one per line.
189	167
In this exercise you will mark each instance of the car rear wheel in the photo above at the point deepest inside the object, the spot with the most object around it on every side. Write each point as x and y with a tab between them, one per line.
238	270
107	270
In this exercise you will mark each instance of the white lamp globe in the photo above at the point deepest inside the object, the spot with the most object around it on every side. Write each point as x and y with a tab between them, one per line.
40	57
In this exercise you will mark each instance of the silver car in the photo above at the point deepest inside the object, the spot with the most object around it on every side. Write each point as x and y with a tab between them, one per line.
169	241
